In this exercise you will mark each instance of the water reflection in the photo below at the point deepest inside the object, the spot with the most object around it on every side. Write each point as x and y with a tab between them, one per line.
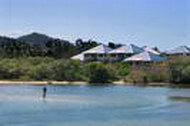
179	98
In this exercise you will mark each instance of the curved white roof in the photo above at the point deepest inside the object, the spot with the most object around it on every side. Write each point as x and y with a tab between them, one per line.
132	49
100	49
146	57
179	50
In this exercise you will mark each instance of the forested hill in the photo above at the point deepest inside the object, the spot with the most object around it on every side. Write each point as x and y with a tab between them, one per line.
36	44
35	38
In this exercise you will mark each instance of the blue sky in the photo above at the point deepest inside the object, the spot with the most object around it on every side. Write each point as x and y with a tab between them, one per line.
163	23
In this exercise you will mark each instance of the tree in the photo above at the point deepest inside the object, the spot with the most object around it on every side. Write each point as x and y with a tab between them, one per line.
113	45
85	45
99	73
60	49
186	75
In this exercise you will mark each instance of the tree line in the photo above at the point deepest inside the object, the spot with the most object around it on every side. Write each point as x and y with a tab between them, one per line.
56	48
22	60
47	69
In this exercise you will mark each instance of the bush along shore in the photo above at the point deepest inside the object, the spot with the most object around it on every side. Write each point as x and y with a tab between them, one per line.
47	69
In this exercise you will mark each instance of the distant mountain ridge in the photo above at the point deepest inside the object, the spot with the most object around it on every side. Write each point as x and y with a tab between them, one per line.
35	38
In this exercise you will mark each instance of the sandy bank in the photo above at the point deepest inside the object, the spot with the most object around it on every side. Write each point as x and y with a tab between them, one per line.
2	82
6	82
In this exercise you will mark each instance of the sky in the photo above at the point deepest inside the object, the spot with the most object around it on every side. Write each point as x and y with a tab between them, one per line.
161	23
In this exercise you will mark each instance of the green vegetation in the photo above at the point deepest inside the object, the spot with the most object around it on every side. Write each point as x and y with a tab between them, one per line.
176	70
38	45
100	73
179	98
180	70
39	68
40	57
47	68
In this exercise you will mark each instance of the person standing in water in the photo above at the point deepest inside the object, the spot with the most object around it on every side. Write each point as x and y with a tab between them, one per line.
44	92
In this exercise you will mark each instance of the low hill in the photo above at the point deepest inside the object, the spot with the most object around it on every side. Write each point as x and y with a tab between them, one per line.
35	38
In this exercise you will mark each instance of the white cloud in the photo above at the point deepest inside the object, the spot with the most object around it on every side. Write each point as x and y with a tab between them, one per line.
16	33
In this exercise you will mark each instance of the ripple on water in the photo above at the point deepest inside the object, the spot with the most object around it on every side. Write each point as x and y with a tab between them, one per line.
84	106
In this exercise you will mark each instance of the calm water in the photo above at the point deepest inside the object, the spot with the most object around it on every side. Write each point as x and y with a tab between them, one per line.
93	106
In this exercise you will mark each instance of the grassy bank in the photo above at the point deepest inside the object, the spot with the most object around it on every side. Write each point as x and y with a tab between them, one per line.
175	71
42	70
48	69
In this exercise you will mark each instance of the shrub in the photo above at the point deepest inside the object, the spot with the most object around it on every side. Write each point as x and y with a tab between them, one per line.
186	74
40	72
99	73
122	69
179	70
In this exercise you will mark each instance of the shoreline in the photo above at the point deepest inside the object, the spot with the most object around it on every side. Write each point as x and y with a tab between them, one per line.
84	83
38	83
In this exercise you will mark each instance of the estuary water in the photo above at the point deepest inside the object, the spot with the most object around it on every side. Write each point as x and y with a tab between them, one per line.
93	106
